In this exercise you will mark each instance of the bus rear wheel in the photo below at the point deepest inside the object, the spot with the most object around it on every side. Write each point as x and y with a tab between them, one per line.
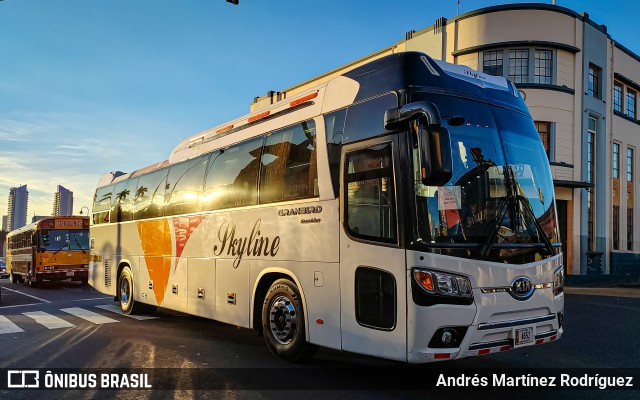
125	293
34	282
283	322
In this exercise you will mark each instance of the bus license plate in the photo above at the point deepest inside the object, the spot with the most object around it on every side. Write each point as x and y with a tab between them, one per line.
523	336
70	273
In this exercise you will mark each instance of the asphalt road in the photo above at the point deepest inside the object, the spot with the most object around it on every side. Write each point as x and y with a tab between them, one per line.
90	332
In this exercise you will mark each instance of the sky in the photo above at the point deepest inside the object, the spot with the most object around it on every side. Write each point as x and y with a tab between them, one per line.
92	86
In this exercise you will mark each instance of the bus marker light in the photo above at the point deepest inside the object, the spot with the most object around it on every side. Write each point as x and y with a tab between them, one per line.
201	137
505	348
552	338
259	116
484	351
539	341
224	129
319	321
303	99
441	356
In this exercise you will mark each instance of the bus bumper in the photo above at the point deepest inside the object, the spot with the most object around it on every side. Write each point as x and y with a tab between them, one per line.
494	322
58	275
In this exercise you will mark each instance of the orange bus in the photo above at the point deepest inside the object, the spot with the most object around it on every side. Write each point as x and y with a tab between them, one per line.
51	249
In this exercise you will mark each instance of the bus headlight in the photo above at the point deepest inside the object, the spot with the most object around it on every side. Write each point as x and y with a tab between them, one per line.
442	283
558	281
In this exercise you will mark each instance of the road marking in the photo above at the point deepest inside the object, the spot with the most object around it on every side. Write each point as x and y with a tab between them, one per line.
21	305
88	315
95	298
117	310
7	326
25	294
48	320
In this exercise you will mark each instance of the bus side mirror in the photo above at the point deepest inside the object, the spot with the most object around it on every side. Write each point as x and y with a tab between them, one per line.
434	149
433	141
441	163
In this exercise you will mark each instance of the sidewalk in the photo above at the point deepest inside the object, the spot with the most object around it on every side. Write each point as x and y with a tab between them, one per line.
630	291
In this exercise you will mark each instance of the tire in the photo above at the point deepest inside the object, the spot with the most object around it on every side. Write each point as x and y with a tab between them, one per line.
35	282
15	278
125	293
283	322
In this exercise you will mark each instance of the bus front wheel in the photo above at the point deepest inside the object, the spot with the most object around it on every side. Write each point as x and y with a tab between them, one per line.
125	293
283	322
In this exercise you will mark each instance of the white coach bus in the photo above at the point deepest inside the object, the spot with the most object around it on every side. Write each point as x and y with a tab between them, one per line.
403	210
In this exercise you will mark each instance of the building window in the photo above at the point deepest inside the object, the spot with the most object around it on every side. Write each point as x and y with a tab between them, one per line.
631	103
528	65
617	97
629	165
519	65
542	67
544	129
591	135
492	63
615	173
594	81
616	161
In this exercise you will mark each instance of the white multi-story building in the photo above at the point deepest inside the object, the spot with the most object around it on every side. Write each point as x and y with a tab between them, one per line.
581	86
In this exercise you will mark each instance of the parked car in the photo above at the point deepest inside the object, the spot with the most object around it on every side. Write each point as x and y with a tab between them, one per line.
3	270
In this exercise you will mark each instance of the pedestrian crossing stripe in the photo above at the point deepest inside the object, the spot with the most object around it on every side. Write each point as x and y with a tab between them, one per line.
118	310
6	326
87	315
51	321
48	321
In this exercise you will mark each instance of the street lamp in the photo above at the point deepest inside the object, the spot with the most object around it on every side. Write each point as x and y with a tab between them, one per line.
82	208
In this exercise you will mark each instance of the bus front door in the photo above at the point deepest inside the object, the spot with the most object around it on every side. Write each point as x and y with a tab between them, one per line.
372	264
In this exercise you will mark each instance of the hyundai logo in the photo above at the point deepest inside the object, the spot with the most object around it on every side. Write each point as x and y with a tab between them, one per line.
521	288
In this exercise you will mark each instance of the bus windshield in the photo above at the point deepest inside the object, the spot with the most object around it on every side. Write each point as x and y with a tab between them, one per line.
64	239
499	204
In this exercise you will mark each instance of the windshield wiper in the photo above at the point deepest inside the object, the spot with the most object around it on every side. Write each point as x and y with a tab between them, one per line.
75	239
543	235
68	244
514	203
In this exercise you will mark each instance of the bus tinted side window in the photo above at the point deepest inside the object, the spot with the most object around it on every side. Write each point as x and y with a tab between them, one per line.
366	120
184	186
289	170
149	197
122	201
102	204
231	179
334	123
370	194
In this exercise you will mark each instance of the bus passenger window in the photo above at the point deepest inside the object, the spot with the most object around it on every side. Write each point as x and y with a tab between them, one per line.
102	204
149	196
184	186
122	201
370	194
288	170
231	179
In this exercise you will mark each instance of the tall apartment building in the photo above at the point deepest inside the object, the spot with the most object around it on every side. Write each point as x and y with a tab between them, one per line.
582	87
63	202
17	207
